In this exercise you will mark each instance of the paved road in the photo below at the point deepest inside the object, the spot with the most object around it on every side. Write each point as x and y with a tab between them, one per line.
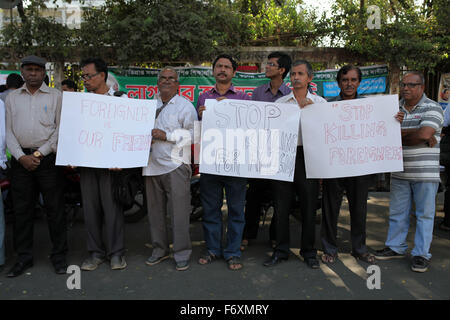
291	280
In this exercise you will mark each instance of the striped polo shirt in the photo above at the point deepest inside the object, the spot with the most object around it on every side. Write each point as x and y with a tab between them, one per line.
420	162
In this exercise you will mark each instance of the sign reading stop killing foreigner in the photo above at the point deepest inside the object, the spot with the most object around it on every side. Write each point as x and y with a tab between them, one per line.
251	139
102	131
352	137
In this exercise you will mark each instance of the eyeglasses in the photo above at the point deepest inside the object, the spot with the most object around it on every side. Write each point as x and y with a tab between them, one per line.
89	76
409	85
170	79
272	64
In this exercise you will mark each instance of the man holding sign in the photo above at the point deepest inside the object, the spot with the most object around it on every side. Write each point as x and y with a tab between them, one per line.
211	186
99	204
306	189
419	180
356	189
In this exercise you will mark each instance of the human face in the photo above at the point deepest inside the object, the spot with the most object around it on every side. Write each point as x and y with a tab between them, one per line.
411	95
299	77
168	83
223	71
92	79
66	88
349	84
273	69
33	75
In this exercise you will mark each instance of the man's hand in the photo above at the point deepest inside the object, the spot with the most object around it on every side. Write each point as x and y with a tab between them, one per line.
400	116
29	162
115	169
159	134
200	111
304	102
431	142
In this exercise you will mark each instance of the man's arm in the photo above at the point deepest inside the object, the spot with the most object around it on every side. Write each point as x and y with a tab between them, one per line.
51	144
412	137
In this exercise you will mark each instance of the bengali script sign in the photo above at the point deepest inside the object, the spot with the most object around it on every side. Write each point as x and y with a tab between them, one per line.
352	137
249	139
105	132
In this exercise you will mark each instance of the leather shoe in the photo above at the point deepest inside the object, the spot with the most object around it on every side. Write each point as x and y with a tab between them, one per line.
19	268
313	263
60	267
274	260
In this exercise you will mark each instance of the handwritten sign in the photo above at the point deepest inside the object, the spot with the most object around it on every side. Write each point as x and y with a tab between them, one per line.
352	137
101	131
249	139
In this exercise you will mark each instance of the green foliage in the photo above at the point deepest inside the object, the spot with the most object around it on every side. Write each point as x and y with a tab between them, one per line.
409	35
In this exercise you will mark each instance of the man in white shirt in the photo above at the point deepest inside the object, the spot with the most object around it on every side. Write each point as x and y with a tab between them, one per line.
168	172
306	189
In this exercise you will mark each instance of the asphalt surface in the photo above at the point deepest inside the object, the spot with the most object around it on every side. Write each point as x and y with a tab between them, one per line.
290	280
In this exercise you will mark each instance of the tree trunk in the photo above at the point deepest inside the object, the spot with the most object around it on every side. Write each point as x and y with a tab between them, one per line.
58	75
394	78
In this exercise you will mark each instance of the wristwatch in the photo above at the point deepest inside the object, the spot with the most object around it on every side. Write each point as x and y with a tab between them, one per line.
38	154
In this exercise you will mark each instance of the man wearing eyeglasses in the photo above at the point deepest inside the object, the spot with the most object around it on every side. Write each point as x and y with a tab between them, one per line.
259	190
419	180
99	205
168	172
32	121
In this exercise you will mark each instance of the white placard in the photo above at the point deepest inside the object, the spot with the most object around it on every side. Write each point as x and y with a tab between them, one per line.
352	137
102	131
251	139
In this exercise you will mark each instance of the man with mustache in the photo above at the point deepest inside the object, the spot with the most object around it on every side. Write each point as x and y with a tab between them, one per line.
356	190
419	181
211	186
306	189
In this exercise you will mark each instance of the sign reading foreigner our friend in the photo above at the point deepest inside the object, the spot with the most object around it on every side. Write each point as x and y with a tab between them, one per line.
102	131
352	137
249	139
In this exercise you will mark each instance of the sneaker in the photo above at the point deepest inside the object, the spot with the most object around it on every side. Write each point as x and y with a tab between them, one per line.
155	260
419	264
182	265
118	263
91	263
387	254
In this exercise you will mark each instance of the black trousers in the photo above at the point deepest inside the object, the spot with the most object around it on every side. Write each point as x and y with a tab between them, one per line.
356	191
25	186
447	198
284	192
101	209
259	192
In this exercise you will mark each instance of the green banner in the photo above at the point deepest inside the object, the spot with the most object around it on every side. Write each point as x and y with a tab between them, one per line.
142	83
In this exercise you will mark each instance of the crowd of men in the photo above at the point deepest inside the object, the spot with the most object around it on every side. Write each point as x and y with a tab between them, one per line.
29	129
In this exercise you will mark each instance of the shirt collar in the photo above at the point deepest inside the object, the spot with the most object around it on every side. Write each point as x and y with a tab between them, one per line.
422	100
43	88
232	89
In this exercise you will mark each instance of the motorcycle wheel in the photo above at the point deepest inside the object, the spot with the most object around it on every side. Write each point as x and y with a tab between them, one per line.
138	210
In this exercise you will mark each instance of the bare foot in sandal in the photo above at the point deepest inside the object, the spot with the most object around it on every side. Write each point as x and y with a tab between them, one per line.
207	258
234	263
365	257
328	258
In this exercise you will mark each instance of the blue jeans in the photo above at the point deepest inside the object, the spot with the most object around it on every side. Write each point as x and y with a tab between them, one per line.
211	191
403	192
2	231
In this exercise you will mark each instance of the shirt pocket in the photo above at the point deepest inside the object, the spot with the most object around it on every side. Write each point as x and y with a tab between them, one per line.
47	117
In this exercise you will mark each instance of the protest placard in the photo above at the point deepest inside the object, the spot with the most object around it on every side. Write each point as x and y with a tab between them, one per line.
249	139
352	137
102	131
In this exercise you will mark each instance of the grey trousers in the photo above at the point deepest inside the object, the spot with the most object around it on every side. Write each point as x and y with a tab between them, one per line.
170	193
100	209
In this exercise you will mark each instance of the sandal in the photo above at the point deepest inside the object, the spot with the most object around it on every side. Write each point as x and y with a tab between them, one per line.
207	258
365	257
234	263
328	258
